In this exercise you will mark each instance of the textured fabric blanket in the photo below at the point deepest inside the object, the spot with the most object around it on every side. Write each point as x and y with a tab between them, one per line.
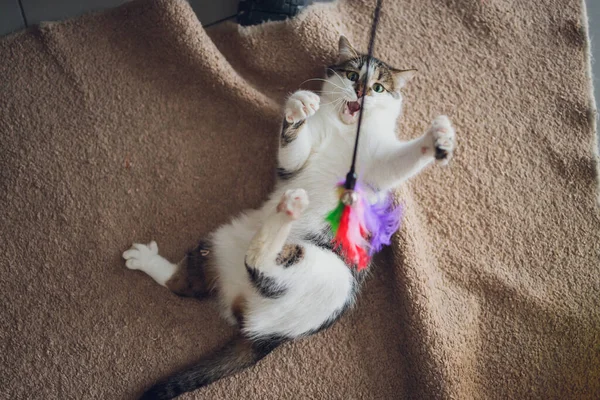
137	124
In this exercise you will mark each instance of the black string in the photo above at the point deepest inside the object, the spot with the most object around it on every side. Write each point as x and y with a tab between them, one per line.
351	177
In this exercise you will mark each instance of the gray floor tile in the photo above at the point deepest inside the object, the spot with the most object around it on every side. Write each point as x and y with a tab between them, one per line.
10	17
211	11
37	11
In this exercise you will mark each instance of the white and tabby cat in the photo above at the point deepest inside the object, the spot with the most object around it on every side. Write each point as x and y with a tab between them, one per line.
274	269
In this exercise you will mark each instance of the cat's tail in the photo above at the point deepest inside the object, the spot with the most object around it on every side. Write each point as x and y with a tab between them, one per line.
237	355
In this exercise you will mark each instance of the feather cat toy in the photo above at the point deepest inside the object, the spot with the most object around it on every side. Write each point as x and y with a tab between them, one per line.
362	228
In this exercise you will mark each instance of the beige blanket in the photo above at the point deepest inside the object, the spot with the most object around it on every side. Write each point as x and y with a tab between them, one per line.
137	124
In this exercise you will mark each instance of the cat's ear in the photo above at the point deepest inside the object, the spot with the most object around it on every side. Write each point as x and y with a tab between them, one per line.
346	51
403	76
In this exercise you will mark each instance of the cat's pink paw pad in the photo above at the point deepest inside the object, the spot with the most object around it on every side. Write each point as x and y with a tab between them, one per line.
293	203
301	105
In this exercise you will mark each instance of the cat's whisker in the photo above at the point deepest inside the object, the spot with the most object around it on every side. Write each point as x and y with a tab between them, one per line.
346	93
339	105
330	91
325	91
334	102
313	79
328	103
323	80
331	102
338	94
335	72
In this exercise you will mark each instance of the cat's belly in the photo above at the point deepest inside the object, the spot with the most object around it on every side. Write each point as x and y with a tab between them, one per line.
318	285
322	196
322	285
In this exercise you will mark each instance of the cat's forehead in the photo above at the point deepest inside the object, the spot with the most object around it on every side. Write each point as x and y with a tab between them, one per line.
381	71
357	64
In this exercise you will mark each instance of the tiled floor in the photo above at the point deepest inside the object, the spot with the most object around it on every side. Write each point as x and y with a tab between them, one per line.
17	14
11	18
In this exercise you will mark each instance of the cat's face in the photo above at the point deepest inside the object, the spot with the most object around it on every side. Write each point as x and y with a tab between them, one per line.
345	85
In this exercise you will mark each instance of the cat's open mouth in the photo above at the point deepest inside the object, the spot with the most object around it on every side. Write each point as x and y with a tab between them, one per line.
350	111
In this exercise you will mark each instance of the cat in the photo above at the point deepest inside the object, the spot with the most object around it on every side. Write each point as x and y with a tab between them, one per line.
275	271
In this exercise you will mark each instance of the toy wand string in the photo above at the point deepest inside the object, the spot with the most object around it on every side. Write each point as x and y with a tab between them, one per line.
351	177
360	228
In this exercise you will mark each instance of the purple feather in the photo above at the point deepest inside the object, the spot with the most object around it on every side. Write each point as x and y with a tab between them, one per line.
382	220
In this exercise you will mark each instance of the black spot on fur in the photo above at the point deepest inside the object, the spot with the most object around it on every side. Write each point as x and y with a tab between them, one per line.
324	240
266	285
285	174
195	276
289	132
440	154
321	239
291	254
199	253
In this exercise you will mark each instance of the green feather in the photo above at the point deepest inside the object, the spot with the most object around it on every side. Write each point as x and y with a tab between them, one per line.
334	217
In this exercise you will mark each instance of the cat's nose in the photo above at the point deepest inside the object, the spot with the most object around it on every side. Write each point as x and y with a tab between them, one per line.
359	92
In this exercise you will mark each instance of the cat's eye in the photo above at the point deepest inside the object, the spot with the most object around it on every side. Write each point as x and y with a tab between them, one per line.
353	76
378	87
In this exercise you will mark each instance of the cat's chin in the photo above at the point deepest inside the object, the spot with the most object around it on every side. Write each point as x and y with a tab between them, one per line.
349	113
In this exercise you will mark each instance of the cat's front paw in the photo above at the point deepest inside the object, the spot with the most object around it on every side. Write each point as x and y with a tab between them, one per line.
443	139
293	203
301	105
140	256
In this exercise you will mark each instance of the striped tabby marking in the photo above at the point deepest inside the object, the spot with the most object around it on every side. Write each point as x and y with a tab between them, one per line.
289	132
266	285
290	254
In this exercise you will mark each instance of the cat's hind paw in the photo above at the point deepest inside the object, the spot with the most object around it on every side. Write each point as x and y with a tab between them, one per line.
443	136
301	105
140	256
293	203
